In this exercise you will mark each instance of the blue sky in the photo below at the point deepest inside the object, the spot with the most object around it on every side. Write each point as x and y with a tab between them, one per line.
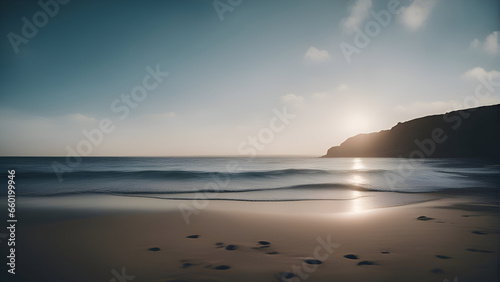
231	66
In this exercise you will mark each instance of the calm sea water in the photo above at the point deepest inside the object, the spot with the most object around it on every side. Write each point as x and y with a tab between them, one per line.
258	179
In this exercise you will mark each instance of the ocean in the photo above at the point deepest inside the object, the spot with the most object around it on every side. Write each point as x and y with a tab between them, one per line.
246	179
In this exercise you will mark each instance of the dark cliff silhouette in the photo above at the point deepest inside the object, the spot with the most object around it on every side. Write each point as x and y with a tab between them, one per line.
469	133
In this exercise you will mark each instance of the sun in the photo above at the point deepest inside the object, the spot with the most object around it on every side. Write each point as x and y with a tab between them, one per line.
357	123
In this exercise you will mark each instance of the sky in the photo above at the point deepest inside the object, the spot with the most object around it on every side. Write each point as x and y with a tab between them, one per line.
234	77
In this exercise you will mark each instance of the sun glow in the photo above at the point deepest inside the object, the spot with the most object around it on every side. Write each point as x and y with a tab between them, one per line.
357	202
358	123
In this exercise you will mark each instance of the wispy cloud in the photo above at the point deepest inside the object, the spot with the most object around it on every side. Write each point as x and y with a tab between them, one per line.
316	55
475	44
415	15
490	44
478	72
359	12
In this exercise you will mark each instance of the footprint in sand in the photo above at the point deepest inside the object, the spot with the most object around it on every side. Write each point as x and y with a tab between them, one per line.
264	245
366	262
479	232
286	275
443	257
231	247
313	261
385	252
193	236
186	265
219	245
424	218
155	249
222	267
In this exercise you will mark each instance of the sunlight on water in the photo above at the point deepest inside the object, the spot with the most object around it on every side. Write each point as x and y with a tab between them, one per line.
357	180
357	164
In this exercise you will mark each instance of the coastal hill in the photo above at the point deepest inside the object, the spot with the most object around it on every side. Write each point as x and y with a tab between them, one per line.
469	133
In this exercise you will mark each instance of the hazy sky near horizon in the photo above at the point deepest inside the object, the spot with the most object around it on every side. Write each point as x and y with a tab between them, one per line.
230	69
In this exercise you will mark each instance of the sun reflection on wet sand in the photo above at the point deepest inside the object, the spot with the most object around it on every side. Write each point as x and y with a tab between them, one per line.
357	205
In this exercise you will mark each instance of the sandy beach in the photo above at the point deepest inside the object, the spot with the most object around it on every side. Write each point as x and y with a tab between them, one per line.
114	238
250	141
